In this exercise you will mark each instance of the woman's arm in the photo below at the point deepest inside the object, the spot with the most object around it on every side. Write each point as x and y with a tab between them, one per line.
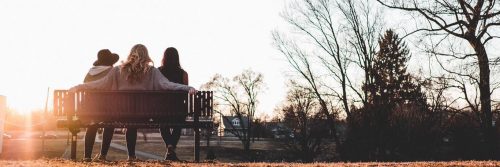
185	78
164	84
104	83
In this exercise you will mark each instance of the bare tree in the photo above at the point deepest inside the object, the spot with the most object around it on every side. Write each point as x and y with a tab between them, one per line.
252	84
302	64
435	89
472	21
238	97
332	35
300	114
364	25
314	19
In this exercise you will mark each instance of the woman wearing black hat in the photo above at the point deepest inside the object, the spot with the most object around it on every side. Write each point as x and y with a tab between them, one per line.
102	66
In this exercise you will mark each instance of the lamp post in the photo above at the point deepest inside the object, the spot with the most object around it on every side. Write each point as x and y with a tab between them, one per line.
45	121
3	110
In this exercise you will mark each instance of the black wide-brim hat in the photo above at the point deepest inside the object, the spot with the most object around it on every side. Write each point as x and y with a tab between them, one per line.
106	58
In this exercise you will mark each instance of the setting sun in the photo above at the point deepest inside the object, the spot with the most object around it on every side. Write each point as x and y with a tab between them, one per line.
26	103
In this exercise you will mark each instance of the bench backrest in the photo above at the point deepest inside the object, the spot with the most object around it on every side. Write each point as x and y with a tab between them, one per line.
132	106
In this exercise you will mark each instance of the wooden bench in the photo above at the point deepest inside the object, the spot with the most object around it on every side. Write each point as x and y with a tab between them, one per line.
134	109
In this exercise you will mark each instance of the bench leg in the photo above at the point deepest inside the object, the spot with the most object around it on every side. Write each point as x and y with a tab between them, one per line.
74	129
197	144
73	145
210	152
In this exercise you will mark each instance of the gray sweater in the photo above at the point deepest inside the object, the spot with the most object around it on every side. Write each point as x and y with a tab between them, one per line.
114	80
96	73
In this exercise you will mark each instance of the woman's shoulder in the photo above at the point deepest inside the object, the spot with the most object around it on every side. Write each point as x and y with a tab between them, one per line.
183	71
115	69
154	69
171	70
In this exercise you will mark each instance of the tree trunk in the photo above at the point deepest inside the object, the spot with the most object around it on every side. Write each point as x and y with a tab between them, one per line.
250	135
246	145
344	95
485	96
331	121
365	85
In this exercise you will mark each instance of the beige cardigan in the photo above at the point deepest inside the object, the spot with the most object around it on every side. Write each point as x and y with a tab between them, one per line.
114	80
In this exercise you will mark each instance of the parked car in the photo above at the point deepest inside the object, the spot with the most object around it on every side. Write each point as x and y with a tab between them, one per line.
7	136
120	130
283	135
48	136
116	131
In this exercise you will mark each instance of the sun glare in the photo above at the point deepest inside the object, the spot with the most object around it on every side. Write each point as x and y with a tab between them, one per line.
24	104
24	111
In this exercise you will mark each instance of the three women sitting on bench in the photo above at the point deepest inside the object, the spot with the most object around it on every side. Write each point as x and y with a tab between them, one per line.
136	73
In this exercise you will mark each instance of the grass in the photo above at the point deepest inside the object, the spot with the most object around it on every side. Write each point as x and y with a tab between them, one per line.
27	152
32	149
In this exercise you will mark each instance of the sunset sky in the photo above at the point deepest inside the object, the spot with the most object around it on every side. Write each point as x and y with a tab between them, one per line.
53	43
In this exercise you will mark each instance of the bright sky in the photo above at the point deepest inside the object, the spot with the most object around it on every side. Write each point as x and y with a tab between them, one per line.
53	43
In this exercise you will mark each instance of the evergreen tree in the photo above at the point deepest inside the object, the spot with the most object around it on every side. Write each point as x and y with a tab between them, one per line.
392	84
394	125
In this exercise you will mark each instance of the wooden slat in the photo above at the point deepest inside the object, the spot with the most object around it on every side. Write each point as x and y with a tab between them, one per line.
163	106
58	102
191	106
211	104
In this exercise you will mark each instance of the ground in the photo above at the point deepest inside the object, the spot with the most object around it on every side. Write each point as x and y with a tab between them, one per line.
25	149
28	146
60	162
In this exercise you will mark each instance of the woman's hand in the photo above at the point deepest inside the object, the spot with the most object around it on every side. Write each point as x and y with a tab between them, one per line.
72	89
192	91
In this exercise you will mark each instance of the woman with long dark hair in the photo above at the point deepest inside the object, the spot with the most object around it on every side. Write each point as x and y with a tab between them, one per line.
171	68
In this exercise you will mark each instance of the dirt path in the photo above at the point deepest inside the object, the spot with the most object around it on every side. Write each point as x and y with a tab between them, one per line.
138	153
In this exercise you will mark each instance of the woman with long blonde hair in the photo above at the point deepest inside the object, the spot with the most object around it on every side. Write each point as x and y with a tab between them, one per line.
137	63
136	73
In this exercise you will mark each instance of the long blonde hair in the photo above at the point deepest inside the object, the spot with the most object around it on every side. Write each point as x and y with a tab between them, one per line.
137	64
